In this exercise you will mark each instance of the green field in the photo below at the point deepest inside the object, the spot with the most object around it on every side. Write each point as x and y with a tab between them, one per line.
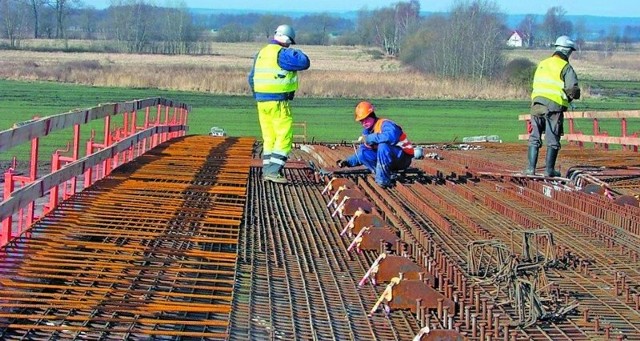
328	120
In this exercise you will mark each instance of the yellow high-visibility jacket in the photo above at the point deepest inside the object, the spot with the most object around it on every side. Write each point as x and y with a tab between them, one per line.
547	82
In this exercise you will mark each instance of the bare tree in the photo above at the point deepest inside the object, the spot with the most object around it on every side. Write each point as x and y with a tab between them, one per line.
60	8
36	12
130	23
611	41
580	29
364	31
87	20
630	34
177	30
393	24
475	38
267	24
47	23
317	27
407	17
423	50
234	32
13	14
468	43
389	26
528	28
384	29
555	24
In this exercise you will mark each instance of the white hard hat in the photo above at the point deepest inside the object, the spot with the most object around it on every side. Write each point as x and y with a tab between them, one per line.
566	42
285	34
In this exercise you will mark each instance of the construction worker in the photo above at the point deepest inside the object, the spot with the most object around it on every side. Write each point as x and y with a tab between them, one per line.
384	149
273	80
555	85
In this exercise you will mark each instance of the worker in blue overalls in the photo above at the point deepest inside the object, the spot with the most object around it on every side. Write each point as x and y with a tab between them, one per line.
385	148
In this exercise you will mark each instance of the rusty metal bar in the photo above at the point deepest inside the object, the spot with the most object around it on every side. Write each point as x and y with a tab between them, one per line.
143	252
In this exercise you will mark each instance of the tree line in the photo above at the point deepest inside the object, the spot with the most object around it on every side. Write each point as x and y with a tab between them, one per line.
555	23
466	42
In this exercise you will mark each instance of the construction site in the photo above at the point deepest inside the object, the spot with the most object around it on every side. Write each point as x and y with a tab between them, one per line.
160	235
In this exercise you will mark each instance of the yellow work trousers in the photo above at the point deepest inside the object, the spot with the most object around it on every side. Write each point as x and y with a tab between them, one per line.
276	123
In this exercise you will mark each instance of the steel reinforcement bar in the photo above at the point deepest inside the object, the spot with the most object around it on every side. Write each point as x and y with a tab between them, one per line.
444	218
149	252
620	313
296	279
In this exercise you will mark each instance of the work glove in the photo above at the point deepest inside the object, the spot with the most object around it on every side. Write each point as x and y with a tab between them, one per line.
342	163
572	93
363	139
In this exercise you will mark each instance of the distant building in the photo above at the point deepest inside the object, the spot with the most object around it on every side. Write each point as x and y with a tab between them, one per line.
515	40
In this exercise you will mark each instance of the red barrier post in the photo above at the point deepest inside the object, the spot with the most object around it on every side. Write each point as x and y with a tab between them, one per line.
5	234
155	136
623	130
134	151
146	145
33	174
107	143
165	135
53	193
26	215
88	173
75	155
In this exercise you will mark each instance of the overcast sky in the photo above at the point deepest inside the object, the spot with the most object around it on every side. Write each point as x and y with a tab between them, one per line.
611	8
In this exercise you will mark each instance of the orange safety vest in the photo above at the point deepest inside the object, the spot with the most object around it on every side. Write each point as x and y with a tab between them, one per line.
404	143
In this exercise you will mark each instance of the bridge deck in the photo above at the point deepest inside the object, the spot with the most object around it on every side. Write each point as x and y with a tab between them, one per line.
188	243
148	252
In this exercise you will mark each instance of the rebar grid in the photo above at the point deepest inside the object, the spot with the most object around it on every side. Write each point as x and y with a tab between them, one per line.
149	252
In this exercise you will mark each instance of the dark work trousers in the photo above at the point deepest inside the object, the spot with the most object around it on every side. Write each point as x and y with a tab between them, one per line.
382	161
551	125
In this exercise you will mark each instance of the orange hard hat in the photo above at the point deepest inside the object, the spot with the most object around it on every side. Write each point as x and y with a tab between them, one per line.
363	110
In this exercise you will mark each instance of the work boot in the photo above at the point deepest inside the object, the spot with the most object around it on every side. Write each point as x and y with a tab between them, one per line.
532	157
549	169
269	168
276	178
385	185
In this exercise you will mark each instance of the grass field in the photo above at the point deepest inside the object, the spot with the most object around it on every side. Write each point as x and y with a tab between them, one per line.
336	72
328	120
429	109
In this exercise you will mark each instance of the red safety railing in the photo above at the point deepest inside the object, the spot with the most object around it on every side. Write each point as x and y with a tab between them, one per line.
163	120
628	141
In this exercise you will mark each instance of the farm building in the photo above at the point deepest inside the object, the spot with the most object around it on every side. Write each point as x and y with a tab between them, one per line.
516	39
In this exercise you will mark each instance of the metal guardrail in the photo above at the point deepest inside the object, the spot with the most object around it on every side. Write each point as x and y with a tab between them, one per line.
40	127
120	145
599	138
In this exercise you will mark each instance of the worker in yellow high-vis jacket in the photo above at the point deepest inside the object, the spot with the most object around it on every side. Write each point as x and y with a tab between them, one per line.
273	80
555	85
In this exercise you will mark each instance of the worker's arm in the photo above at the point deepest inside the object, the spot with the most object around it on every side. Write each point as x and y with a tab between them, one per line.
351	161
291	59
390	134
250	76
570	78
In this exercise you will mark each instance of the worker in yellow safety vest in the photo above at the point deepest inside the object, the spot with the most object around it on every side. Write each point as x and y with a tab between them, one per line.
555	86
273	80
385	148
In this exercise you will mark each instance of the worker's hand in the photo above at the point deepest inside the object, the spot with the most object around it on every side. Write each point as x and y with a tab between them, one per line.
361	138
342	163
572	93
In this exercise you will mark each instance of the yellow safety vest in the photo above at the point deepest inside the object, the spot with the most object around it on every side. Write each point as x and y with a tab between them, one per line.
268	76
404	143
547	82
